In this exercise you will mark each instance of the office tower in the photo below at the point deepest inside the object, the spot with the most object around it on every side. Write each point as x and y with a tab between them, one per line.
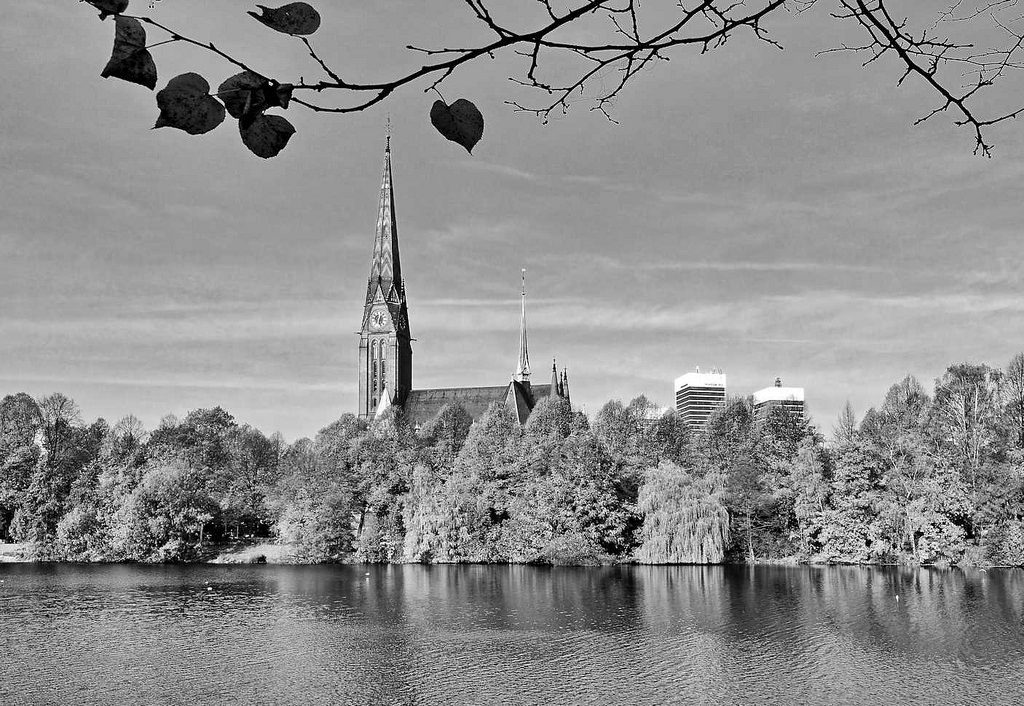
790	399
698	395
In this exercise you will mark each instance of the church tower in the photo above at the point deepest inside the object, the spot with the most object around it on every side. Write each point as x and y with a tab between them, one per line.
385	348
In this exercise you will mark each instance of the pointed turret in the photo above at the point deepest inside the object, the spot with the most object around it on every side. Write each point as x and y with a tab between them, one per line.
522	373
386	266
556	388
564	391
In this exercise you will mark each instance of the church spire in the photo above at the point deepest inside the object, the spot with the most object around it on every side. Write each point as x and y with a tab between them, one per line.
523	366
385	265
385	348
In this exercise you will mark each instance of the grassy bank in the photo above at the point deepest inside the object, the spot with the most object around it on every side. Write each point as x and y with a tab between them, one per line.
12	552
249	552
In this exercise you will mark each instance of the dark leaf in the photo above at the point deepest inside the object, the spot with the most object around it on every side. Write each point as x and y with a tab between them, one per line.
293	18
186	103
130	60
267	135
272	95
109	7
460	122
243	94
284	94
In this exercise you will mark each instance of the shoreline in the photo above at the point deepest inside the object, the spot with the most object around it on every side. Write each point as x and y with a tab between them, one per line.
284	555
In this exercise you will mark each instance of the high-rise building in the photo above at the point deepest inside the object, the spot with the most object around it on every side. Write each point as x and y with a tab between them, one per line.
698	395
790	399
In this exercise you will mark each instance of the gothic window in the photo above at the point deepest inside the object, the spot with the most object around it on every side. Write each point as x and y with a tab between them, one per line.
375	377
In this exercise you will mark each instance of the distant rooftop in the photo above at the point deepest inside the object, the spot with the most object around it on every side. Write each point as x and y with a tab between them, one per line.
715	378
777	393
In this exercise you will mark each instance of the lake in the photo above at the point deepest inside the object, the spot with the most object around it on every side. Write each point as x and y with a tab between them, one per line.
211	634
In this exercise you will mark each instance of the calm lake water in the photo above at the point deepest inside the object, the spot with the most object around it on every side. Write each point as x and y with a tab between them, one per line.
507	635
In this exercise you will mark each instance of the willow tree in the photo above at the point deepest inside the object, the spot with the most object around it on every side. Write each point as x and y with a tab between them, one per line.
685	518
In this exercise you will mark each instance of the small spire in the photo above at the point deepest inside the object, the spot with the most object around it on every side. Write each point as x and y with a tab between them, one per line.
556	387
387	133
565	384
523	366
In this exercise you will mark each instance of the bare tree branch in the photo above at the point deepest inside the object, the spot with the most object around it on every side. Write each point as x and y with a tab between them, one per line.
622	38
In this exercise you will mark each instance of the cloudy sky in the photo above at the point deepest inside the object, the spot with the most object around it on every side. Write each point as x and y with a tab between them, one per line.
768	212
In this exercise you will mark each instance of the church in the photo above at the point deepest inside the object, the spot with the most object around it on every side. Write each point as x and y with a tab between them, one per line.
385	342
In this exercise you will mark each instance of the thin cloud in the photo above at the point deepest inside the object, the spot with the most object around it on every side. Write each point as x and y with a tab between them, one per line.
734	266
194	383
502	170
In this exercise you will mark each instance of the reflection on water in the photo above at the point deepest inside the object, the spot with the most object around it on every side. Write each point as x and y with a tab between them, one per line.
509	634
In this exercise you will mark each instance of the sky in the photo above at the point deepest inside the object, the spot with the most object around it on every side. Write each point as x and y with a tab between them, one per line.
771	213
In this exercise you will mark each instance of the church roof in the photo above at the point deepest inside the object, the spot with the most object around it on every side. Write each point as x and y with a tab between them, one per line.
518	401
421	406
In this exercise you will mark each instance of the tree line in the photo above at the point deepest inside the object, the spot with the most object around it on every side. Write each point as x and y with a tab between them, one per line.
924	478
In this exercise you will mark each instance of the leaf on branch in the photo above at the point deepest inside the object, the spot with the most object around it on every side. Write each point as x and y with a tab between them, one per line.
284	94
267	135
460	122
247	94
186	103
243	94
131	61
293	18
109	7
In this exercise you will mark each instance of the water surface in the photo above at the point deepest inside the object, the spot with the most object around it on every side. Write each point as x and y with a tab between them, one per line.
125	634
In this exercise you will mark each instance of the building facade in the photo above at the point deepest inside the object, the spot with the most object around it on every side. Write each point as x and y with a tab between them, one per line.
790	399
698	395
385	369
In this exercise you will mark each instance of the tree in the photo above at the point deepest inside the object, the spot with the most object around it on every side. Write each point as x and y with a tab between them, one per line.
811	489
669	439
59	417
20	419
781	436
550	418
312	500
846	425
20	422
383	462
588	41
201	437
631	432
848	527
447	432
440	513
730	444
164	517
685	518
129	437
897	433
1014	378
965	419
251	471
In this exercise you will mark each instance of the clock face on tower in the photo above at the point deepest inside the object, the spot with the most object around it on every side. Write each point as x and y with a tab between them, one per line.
378	319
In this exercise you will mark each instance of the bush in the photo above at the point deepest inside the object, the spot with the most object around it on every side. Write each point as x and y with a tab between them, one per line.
575	549
1004	545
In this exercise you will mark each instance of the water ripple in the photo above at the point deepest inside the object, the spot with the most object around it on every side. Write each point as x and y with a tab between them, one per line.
501	635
